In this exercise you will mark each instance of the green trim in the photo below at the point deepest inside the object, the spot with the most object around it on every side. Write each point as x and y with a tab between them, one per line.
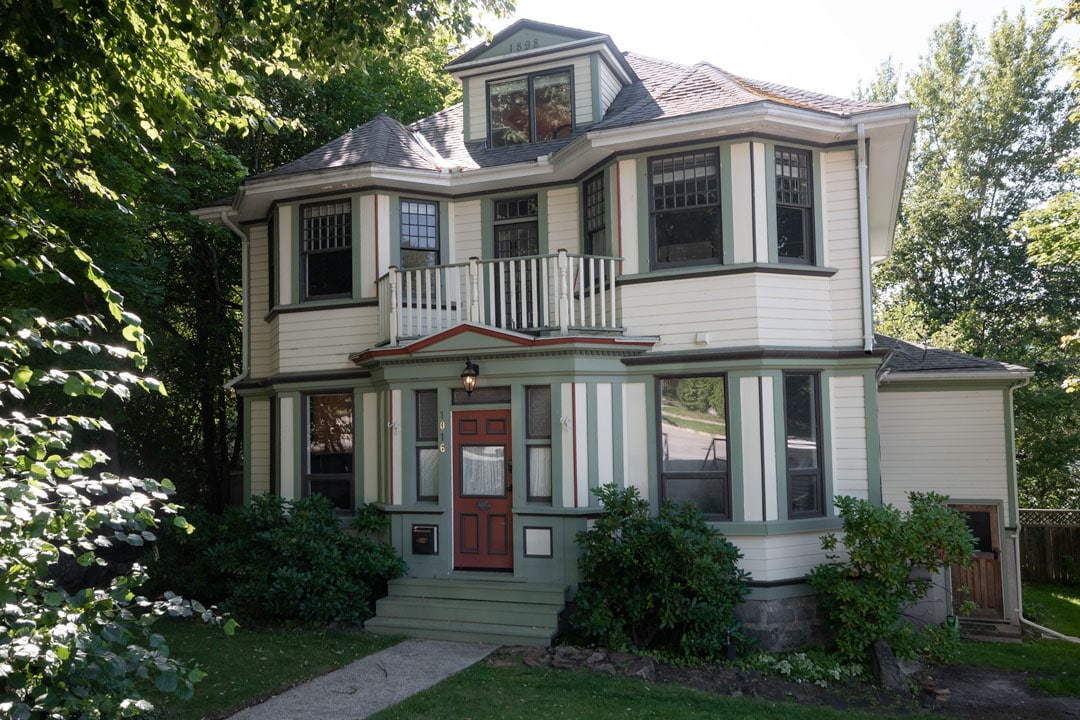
873	437
770	200
248	444
297	441
735	436
679	273
542	220
487	227
597	88
780	592
819	206
644	242
558	447
727	212
357	244
828	482
956	384
779	444
466	108
418	509
618	440
296	289
757	528
1011	486
358	447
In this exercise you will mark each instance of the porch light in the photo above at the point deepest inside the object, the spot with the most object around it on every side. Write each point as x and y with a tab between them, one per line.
469	375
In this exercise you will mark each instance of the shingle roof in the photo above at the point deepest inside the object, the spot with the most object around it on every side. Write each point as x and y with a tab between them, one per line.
908	357
382	140
664	90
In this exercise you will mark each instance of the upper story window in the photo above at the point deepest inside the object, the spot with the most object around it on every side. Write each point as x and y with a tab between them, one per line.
802	430
532	108
419	233
517	231
595	216
684	207
326	249
693	443
794	207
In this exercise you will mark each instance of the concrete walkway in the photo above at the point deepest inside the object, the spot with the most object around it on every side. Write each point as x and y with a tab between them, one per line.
371	683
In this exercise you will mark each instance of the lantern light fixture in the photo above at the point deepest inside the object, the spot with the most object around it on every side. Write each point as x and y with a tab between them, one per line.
469	375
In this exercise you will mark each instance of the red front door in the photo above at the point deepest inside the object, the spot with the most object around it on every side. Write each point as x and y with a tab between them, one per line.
482	490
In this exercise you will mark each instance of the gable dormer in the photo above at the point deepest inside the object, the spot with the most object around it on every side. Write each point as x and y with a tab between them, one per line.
535	82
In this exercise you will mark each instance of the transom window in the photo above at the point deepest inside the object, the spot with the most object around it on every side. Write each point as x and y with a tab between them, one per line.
419	233
802	430
533	108
693	443
516	229
794	207
326	249
684	207
328	448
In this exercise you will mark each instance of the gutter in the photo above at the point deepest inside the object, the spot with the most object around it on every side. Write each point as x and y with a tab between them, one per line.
864	241
244	250
1016	543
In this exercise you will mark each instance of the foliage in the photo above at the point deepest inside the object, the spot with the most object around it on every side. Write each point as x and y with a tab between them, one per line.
992	133
256	662
865	590
278	560
814	666
74	634
668	584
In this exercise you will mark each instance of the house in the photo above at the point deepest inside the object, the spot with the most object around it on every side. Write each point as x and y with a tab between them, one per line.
603	268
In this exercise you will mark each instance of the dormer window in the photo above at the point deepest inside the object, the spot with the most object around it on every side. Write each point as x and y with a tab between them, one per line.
531	108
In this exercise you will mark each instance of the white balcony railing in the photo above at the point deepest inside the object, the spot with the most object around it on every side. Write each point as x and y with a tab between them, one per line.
561	293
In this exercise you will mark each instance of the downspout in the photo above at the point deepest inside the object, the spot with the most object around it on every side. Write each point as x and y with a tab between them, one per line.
244	249
1016	544
864	241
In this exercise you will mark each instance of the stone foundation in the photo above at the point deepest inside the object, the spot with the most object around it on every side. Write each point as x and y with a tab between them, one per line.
784	624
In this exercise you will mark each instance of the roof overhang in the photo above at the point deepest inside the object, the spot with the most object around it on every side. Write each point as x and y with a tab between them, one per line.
1004	377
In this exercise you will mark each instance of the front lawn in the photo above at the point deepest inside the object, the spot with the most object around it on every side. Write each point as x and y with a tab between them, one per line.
484	692
254	664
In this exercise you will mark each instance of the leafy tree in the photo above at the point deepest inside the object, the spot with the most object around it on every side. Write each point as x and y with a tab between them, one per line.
98	97
992	132
865	590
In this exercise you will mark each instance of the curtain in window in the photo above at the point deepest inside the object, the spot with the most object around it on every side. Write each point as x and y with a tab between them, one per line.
483	470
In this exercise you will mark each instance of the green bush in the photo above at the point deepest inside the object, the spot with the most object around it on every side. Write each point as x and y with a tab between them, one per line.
865	590
668	584
278	560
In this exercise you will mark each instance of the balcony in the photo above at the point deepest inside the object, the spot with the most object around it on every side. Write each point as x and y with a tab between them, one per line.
561	294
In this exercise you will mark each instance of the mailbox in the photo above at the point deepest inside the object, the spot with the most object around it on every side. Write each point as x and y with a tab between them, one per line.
425	539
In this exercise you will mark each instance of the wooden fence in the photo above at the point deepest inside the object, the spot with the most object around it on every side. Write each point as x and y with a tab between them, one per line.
1050	545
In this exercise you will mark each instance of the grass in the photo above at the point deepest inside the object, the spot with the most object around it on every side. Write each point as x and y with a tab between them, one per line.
254	664
484	692
1057	661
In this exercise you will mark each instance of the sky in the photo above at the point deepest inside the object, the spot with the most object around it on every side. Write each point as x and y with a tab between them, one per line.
826	46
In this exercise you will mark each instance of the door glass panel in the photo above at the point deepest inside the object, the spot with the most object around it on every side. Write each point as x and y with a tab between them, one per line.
483	470
979	524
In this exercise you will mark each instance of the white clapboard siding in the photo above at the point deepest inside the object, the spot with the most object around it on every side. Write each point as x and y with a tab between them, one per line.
324	339
794	310
609	87
677	310
951	442
583	91
467	232
476	123
848	404
770	558
841	216
563	220
262	356
258	451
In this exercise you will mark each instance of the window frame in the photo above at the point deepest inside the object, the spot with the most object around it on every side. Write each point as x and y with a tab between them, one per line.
725	495
425	441
593	218
818	472
538	440
530	84
436	252
713	153
305	254
306	474
806	209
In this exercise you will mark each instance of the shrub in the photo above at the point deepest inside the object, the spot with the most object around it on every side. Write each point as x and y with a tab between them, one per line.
277	560
668	584
864	596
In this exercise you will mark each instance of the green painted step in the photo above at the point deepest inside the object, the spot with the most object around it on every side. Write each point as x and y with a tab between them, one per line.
500	613
461	632
483	590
